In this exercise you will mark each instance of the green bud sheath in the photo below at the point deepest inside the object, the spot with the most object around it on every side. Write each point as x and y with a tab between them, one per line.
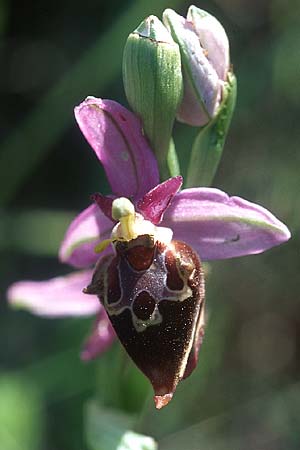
208	145
153	84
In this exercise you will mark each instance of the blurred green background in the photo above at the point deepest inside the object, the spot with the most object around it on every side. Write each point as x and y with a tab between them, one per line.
245	393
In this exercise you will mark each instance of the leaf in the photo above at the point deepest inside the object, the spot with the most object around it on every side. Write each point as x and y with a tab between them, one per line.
112	430
21	415
28	231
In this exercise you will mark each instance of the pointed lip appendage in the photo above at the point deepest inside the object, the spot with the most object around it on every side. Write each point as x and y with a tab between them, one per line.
162	400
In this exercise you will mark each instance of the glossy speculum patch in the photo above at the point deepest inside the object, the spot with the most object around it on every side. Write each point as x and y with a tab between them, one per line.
154	296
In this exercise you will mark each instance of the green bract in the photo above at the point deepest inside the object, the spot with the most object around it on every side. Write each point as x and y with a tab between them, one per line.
208	145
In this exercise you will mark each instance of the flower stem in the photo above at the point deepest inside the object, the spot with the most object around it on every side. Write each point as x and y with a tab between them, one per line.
208	145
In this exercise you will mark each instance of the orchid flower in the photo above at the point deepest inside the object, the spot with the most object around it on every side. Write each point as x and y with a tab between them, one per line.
213	224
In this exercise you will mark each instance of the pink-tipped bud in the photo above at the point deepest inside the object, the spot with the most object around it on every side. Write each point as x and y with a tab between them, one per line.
204	51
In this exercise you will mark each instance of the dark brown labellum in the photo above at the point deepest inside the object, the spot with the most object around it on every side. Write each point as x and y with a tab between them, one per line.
154	296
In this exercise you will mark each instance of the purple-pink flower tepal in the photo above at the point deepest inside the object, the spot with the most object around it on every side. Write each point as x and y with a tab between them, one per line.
146	240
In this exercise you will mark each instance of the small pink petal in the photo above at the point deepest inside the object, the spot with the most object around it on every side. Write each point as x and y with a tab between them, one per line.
84	232
156	201
104	203
100	339
116	136
218	226
57	297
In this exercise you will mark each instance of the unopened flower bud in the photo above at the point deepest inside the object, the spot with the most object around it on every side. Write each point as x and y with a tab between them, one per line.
153	83
204	50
